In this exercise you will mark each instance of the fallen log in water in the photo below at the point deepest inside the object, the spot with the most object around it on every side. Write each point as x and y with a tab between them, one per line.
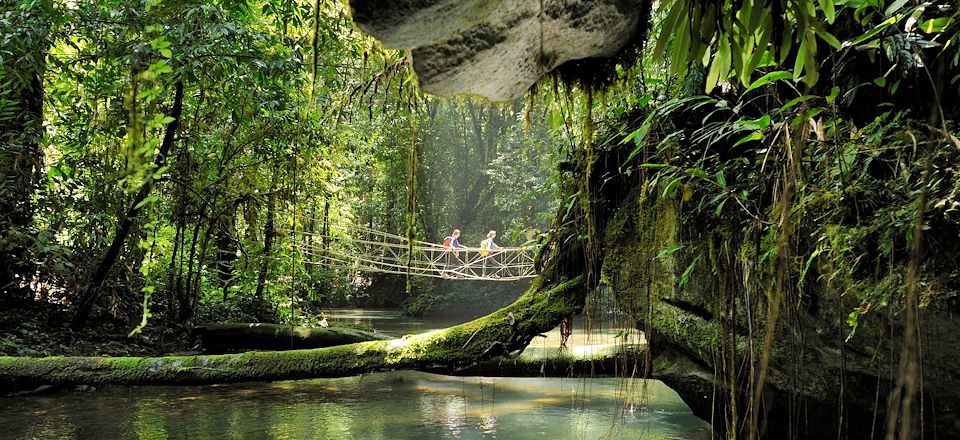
627	362
223	338
505	331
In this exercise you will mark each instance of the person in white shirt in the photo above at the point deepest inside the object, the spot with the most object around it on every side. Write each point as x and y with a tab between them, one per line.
485	247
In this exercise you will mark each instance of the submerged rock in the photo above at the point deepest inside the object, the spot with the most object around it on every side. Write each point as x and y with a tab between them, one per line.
498	48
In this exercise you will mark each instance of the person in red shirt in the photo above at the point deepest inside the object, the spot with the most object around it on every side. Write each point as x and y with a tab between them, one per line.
452	243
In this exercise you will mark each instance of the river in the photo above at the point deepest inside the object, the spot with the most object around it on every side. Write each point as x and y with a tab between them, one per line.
397	405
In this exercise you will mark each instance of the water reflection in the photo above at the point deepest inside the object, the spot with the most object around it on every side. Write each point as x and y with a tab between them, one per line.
390	322
590	338
399	405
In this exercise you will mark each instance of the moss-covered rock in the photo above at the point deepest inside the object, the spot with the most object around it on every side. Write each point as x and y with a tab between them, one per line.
691	287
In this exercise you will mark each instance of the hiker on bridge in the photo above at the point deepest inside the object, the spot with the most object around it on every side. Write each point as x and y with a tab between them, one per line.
452	242
485	247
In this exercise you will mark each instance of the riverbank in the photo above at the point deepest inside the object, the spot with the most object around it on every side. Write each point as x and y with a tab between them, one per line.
37	329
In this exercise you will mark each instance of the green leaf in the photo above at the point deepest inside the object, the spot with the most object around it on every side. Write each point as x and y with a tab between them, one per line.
672	186
720	66
159	120
760	51
146	201
767	79
826	36
872	32
755	136
159	43
698	172
668	250
793	102
853	321
159	68
759	123
936	25
829	11
834	92
636	136
894	7
159	173
644	100
721	179
720	207
681	48
808	51
674	15
685	276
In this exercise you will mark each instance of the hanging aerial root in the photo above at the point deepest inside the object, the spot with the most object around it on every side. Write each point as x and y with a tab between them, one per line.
448	350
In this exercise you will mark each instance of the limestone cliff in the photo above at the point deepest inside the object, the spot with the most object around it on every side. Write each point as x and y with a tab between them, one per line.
496	49
705	319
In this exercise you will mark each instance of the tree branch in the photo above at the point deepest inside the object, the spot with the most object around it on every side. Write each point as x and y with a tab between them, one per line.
126	222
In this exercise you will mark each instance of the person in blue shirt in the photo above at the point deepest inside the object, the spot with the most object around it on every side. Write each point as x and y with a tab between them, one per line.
452	243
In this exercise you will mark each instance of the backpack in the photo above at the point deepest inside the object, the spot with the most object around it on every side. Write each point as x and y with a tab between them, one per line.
485	245
447	242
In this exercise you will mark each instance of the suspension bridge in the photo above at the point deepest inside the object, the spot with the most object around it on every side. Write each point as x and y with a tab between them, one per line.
364	249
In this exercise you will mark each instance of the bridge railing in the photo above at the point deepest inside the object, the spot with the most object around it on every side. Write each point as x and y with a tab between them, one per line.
365	249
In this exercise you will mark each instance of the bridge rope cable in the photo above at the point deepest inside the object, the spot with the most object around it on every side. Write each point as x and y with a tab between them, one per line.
428	261
459	272
357	247
435	263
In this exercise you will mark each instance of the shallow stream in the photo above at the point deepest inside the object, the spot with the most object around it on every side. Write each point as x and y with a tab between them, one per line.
397	405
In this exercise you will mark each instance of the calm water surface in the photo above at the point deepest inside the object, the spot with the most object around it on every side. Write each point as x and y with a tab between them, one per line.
398	405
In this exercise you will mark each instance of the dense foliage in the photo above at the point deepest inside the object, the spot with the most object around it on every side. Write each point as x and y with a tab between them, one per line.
809	150
165	159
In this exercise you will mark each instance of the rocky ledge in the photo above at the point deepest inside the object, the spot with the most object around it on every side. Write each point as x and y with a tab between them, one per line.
496	48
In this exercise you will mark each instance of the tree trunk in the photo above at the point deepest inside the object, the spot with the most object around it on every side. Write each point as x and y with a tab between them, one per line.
221	338
172	270
183	285
268	234
326	224
505	331
126	223
226	247
194	288
308	244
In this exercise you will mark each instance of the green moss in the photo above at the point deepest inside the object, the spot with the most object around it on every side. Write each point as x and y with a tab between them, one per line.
535	311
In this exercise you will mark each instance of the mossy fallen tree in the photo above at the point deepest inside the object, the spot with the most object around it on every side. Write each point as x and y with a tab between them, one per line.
505	331
234	337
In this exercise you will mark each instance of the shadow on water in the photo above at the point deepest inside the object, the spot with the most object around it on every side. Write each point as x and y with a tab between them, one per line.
398	405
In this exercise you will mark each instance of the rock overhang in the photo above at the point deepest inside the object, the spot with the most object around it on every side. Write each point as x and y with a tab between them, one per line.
497	48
